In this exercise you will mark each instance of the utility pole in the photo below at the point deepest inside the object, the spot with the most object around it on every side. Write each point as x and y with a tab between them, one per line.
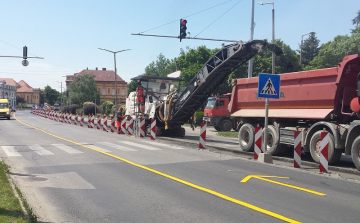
250	68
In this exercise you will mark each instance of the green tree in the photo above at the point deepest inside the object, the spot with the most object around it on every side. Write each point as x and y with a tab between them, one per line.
82	89
161	67
132	86
333	52
356	21
310	49
50	95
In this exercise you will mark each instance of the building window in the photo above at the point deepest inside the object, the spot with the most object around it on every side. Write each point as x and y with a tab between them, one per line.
122	92
103	91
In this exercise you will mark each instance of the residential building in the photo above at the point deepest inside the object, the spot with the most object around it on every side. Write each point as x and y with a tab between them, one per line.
8	89
105	83
31	95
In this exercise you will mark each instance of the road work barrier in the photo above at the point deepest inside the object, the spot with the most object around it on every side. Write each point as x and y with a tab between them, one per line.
76	118
202	135
142	128
297	149
257	145
130	128
324	152
105	124
153	129
98	122
123	126
82	119
112	125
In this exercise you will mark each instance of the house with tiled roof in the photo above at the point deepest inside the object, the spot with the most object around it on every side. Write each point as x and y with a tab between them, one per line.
105	83
31	95
8	89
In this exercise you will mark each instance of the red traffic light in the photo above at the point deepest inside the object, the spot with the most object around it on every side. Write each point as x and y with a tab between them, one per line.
183	22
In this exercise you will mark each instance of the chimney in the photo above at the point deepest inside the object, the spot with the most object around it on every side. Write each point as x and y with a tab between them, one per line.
104	68
96	68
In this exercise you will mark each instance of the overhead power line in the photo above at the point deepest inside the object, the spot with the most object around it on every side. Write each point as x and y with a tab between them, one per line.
218	18
177	20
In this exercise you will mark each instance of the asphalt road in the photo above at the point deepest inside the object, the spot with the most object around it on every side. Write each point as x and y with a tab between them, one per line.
73	174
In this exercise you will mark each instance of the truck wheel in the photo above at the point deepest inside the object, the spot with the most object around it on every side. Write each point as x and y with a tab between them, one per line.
273	141
226	125
334	154
355	152
246	138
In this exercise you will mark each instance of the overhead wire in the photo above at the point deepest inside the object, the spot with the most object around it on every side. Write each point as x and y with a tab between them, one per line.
218	18
186	16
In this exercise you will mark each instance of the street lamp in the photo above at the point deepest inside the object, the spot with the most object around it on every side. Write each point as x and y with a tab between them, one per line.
115	70
60	92
272	71
302	44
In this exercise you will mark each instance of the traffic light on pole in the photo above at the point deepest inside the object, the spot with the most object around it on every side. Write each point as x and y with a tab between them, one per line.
25	52
182	29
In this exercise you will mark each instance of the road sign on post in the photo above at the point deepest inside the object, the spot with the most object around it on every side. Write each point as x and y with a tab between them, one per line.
269	86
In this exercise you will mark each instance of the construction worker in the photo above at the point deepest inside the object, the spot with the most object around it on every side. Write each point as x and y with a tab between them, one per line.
119	119
140	97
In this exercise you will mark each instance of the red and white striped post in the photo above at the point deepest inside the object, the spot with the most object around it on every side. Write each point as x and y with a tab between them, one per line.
123	126
113	129
202	135
153	129
89	121
324	152
297	149
82	120
76	118
92	121
130	128
105	123
142	128
70	118
257	146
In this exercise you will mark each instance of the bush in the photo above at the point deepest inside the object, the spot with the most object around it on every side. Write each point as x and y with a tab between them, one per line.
89	108
199	117
72	108
107	107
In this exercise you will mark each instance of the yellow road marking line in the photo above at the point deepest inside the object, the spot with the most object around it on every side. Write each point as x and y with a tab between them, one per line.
264	178
225	197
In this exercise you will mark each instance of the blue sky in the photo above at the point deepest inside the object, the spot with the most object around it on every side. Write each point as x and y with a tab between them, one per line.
68	33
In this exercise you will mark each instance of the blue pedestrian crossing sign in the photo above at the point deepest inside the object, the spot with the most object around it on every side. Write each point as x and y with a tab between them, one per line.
269	86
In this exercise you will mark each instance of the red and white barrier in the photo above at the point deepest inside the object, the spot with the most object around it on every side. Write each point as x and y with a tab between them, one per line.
112	126
70	118
142	128
324	152
202	135
98	122
153	129
92	121
123	126
297	149
76	118
105	123
257	145
89	121
130	126
82	120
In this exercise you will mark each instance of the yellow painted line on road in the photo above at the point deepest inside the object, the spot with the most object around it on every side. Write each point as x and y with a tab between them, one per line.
225	197
264	178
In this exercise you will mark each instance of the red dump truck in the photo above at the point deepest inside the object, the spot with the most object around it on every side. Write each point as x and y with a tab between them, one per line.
310	101
216	113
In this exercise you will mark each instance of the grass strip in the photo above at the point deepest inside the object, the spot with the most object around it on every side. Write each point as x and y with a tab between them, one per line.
10	207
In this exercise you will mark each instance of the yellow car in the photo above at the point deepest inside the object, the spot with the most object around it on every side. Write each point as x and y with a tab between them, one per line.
5	111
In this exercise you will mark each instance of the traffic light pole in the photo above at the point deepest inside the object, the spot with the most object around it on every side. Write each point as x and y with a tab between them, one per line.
178	37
